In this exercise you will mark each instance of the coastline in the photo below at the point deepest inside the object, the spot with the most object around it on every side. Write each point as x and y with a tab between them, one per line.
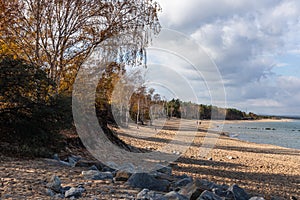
263	169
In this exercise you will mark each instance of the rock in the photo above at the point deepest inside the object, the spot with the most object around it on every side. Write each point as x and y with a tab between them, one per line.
56	157
88	163
122	175
49	192
94	167
73	160
146	194
206	185
223	193
96	175
207	195
129	167
54	184
144	180
210	158
183	182
64	189
163	169
238	193
174	196
74	192
293	198
191	190
143	195
256	198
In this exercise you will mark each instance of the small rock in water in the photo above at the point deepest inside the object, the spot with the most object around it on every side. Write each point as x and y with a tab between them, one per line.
206	195
238	192
54	184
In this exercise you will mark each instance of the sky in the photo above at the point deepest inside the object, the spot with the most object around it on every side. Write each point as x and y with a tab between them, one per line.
255	46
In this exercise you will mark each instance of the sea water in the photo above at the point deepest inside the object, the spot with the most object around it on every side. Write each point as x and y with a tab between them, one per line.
280	133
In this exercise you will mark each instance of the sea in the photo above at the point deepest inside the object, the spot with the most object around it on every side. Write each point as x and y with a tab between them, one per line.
279	133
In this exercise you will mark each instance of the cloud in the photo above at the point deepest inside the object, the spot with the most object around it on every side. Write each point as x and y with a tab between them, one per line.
249	41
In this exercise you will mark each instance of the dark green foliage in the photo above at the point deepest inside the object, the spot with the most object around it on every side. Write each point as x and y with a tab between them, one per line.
30	116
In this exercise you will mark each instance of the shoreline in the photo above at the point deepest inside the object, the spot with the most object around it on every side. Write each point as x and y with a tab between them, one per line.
262	169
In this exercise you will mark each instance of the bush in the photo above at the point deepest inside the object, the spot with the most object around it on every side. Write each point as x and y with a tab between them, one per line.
31	115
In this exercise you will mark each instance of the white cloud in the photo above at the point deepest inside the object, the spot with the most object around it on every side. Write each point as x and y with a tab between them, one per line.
245	39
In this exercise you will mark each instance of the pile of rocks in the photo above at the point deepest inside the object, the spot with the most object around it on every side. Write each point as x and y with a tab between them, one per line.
160	184
54	189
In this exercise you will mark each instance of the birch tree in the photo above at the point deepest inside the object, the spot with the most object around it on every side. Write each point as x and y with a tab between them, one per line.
60	34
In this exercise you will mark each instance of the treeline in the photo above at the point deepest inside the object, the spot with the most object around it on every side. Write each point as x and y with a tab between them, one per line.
157	108
145	105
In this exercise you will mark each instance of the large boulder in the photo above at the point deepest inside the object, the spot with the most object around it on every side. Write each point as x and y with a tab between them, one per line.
238	193
144	180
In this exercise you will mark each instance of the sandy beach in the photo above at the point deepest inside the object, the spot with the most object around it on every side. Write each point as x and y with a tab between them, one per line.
262	170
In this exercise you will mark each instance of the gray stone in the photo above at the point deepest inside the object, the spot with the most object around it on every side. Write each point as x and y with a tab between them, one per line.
146	194
207	195
97	175
54	184
191	190
183	182
49	192
143	195
56	157
256	198
122	175
206	185
74	192
238	193
94	167
164	169
223	193
174	196
144	180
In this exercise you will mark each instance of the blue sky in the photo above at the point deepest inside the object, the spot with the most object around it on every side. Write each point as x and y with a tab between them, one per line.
254	44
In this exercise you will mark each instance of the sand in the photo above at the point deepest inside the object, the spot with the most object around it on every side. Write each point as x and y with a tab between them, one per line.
261	169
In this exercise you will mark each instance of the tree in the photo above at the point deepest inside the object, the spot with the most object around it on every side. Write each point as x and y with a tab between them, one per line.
29	117
60	34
